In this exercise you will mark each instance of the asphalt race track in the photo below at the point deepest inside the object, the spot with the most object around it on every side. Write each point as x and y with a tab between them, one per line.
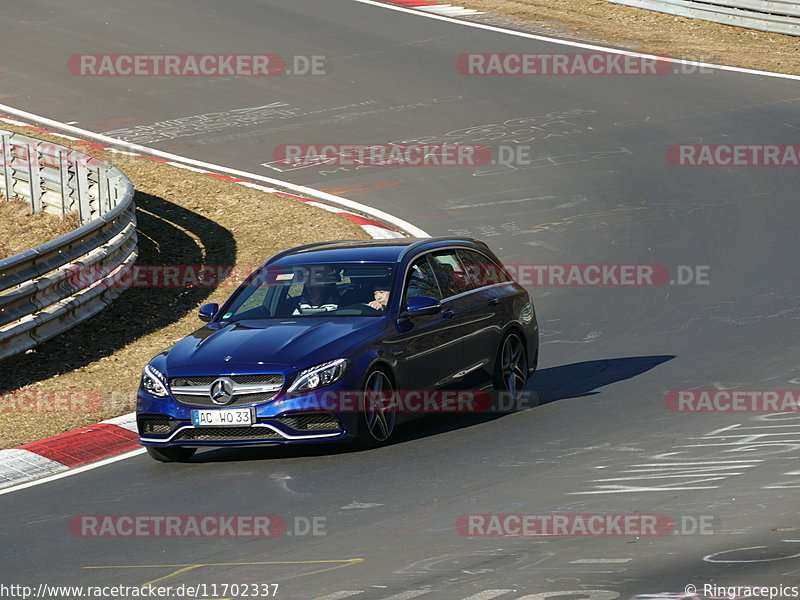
598	189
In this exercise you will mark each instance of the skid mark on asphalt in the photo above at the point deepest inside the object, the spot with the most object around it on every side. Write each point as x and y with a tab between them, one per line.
622	208
512	201
589	337
361	188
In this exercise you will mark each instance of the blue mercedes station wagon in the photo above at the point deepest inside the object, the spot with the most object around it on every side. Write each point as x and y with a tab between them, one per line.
314	345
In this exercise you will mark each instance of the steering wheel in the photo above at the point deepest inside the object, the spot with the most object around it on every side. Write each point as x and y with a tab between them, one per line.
364	308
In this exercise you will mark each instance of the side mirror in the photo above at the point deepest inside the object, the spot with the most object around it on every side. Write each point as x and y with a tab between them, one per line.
422	305
207	311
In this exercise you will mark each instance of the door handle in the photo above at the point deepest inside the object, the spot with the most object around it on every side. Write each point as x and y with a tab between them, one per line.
447	314
494	301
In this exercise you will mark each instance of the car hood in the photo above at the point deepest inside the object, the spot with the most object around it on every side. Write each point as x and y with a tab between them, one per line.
291	345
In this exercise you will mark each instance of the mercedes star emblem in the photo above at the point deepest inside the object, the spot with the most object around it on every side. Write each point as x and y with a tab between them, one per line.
221	391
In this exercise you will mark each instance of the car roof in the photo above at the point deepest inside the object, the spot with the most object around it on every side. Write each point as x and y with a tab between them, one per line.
383	250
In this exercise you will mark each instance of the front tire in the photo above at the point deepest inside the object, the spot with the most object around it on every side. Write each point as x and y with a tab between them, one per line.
378	414
171	454
511	367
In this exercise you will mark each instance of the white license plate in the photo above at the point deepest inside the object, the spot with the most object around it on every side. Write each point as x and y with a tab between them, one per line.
234	417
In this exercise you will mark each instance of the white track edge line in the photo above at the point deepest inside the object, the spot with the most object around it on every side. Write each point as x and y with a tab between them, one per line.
572	44
70	472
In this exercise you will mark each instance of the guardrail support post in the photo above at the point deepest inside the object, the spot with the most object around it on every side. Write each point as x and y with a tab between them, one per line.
34	177
82	191
102	190
64	170
8	180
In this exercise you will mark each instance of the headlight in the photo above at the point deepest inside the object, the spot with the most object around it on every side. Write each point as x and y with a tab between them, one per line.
526	314
319	376
154	382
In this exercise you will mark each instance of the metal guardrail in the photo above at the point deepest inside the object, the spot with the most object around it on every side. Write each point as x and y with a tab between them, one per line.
41	291
775	16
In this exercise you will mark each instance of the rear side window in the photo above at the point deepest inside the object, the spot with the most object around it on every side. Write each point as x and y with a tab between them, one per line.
450	273
480	269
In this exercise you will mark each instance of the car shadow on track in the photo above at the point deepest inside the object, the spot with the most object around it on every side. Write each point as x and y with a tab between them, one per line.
576	380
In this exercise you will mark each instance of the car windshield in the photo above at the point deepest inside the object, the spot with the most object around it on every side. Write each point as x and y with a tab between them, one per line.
312	290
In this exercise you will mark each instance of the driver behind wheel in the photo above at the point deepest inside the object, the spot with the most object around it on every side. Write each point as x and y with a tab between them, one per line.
322	296
381	299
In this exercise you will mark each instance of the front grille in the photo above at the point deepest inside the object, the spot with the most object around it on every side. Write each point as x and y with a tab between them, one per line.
200	386
226	434
156	425
238	399
310	422
207	380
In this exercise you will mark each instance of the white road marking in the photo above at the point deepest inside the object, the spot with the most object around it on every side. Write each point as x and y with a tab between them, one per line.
339	595
488	594
354	504
584	594
17	464
542	38
407	595
127	421
710	557
451	11
589	561
252	108
75	471
380	233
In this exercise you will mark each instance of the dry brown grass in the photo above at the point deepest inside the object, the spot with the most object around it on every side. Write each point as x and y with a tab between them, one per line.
24	230
184	218
648	31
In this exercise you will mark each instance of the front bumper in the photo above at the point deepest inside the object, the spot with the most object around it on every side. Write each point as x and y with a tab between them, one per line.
284	420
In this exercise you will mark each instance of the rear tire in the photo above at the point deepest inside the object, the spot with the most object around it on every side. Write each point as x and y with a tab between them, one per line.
171	454
378	414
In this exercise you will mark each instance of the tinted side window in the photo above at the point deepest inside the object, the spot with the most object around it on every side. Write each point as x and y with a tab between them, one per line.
481	270
420	280
450	273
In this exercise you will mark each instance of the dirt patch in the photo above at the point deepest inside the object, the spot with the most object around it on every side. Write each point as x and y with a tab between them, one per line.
645	31
183	218
26	230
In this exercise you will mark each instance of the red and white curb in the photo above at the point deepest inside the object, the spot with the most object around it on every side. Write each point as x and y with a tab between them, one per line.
436	7
68	450
374	228
119	435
